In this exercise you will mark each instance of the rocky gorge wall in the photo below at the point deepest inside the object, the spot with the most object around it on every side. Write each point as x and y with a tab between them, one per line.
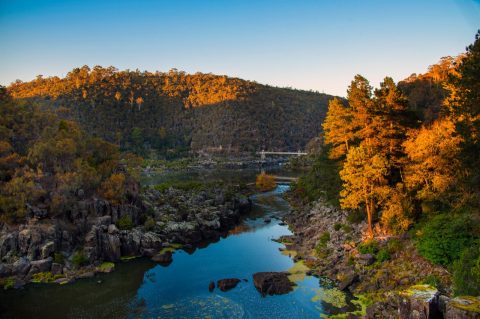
95	231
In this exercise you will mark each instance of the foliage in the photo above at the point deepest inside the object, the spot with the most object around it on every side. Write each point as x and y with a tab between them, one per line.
442	239
265	182
364	178
59	258
383	255
432	280
45	277
434	163
150	224
321	247
173	111
79	259
466	272
49	163
7	283
183	185
125	223
321	181
369	247
397	215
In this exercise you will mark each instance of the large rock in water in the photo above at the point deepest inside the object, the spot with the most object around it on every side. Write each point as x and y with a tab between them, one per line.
463	308
419	302
227	284
272	283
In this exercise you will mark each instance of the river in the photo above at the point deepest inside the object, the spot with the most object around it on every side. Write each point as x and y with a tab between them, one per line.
142	289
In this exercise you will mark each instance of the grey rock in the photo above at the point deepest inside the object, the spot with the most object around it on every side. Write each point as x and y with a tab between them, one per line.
21	267
466	307
56	268
41	265
47	249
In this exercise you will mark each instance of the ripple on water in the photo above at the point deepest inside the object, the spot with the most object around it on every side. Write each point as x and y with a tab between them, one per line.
214	306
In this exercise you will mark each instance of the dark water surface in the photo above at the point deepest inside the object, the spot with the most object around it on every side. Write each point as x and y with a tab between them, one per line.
143	289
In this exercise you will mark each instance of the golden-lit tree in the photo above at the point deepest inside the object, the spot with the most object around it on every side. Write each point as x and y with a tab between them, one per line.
434	165
265	182
338	128
364	182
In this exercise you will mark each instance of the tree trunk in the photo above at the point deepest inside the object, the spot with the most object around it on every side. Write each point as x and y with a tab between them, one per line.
369	218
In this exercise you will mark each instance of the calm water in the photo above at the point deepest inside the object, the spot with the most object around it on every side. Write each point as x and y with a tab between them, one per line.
142	289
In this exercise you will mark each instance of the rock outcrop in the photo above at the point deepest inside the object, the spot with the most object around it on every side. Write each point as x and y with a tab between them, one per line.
272	283
94	231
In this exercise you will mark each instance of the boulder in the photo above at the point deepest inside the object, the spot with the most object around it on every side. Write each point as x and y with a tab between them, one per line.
227	284
419	302
272	283
21	267
163	259
365	259
465	307
57	269
42	265
349	279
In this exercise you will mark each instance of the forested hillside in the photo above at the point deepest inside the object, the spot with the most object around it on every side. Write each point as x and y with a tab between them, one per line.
170	111
407	157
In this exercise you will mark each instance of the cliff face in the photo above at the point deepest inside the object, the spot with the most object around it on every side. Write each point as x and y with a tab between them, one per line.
90	233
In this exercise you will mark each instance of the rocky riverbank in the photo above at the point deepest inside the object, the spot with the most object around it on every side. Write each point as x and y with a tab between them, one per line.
385	274
95	233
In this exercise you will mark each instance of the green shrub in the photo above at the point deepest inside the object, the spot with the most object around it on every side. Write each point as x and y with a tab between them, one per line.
394	245
45	277
355	217
125	223
383	255
7	283
347	228
442	239
368	247
58	258
432	280
150	223
321	247
322	180
325	237
337	226
466	272
79	259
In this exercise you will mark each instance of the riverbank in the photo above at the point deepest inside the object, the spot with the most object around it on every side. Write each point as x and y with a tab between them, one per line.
388	275
97	233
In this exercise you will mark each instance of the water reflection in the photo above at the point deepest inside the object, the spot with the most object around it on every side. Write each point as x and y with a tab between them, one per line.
142	289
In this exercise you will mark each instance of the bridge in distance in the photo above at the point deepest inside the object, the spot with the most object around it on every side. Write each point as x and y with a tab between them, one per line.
281	179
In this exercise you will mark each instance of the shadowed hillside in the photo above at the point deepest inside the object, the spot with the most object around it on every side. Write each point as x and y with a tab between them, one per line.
141	110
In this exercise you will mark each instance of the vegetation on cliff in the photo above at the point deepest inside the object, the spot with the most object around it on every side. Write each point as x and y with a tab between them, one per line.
408	158
48	163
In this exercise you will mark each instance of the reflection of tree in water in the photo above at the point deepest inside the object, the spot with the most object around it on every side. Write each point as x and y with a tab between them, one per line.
114	297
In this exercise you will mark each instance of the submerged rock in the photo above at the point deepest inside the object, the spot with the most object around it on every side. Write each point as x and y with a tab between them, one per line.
227	284
164	258
272	283
211	286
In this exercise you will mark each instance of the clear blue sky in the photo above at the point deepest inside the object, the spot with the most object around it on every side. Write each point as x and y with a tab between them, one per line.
315	44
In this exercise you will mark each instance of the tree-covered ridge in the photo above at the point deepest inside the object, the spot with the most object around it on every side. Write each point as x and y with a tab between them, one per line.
142	110
426	92
48	164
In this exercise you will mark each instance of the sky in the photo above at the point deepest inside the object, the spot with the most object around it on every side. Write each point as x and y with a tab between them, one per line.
306	44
